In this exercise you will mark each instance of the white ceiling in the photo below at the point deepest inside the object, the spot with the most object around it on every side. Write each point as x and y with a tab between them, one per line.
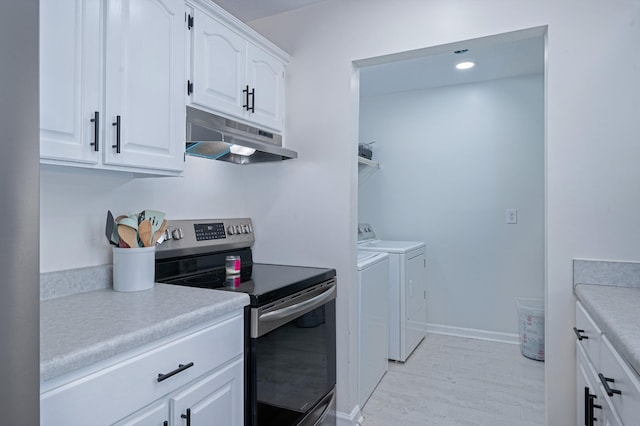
248	10
501	56
494	59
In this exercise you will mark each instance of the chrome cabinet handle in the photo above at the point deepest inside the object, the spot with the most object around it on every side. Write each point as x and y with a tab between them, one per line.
96	130
580	336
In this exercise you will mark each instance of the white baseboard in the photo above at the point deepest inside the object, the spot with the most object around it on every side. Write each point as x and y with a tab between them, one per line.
352	419
472	333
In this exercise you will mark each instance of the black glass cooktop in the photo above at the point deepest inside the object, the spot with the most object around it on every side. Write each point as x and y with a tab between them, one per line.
264	283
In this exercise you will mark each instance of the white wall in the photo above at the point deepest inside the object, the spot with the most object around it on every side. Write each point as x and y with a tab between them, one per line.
453	159
74	204
592	145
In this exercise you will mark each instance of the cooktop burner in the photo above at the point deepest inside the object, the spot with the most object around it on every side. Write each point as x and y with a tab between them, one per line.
264	283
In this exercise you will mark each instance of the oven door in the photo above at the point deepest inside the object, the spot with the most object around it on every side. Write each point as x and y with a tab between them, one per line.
292	360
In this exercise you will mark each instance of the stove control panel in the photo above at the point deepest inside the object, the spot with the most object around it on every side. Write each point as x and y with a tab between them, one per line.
209	231
205	235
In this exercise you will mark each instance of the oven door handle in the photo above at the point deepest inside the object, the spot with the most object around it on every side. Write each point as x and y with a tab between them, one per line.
298	307
320	412
327	409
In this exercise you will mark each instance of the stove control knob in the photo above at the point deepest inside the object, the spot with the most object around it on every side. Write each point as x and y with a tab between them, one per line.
177	234
250	229
230	230
238	229
167	235
245	229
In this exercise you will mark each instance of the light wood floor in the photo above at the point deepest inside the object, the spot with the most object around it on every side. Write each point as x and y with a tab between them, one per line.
458	381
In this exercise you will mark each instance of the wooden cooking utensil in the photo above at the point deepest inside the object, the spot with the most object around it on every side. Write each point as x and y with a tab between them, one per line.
128	234
144	231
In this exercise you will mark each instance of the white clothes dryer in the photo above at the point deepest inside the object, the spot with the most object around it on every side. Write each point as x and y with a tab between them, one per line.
373	322
407	290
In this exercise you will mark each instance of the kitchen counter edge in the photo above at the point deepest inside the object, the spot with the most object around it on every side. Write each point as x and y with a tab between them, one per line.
83	329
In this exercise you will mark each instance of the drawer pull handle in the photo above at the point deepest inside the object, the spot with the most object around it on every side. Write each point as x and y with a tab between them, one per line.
187	416
605	383
181	368
580	336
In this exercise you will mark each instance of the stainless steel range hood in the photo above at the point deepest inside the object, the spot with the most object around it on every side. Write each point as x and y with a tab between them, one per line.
218	138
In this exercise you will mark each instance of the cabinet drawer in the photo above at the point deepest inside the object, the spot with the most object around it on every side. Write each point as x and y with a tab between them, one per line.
109	394
625	380
592	336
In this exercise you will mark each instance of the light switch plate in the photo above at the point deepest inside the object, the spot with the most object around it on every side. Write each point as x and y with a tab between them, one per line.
511	216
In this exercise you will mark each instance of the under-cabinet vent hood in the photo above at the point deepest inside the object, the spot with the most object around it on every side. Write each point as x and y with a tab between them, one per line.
218	138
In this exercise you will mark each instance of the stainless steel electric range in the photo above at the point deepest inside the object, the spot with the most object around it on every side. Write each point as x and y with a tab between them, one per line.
290	329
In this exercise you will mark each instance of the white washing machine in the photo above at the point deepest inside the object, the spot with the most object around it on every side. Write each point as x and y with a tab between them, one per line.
407	289
373	322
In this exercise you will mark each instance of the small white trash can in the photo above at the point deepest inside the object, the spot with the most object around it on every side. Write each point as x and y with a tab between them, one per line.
531	319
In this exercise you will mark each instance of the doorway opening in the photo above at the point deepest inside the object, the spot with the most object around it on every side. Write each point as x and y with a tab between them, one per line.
458	161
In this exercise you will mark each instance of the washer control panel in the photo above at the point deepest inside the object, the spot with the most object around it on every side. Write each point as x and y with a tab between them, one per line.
365	232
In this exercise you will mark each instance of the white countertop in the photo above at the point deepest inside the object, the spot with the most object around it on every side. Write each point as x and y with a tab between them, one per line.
616	310
82	329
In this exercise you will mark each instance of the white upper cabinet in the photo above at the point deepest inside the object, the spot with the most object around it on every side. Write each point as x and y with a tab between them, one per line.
219	61
236	72
144	83
122	61
265	77
70	79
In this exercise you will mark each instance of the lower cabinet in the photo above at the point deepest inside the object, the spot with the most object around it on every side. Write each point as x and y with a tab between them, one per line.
186	379
217	396
608	390
594	409
157	414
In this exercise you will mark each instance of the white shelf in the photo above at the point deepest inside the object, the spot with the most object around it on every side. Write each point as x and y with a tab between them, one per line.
364	161
366	167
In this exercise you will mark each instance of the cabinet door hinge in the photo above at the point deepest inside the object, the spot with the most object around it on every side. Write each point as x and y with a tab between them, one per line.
189	87
189	21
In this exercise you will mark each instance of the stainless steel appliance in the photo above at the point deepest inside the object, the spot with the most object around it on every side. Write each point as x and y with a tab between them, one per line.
290	324
214	137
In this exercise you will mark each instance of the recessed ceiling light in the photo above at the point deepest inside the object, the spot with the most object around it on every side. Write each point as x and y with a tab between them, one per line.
465	65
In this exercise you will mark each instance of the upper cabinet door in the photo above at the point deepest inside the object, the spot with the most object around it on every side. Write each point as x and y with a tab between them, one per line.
70	79
144	84
236	73
219	64
265	75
